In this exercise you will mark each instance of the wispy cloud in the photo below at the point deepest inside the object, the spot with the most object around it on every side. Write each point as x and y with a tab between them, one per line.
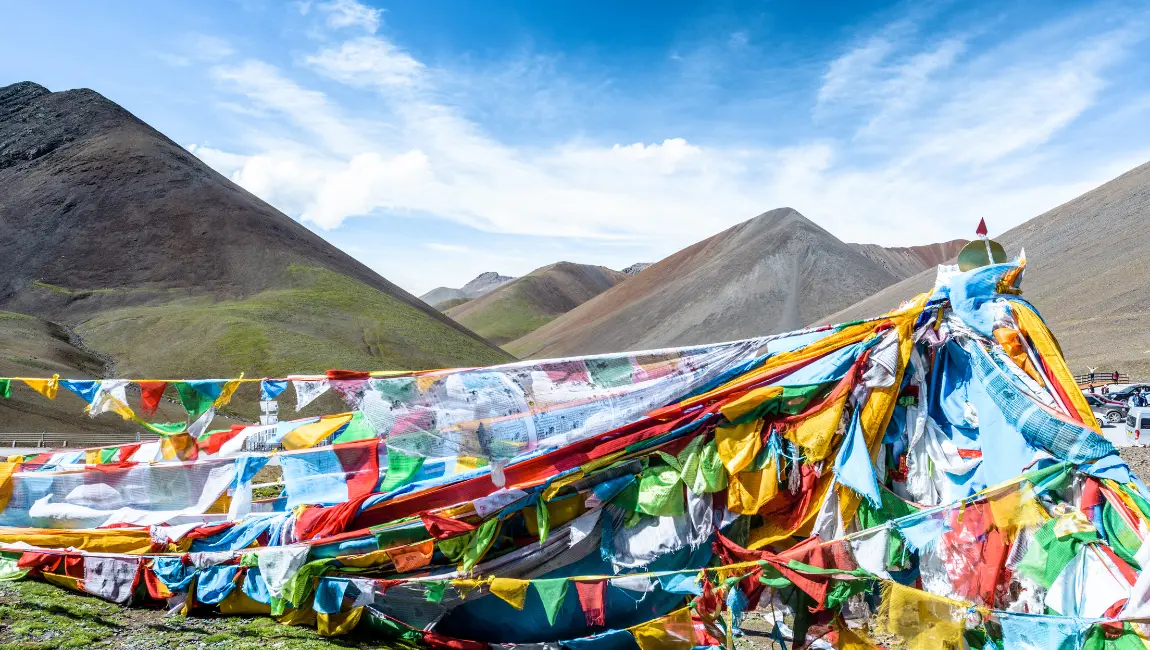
339	14
367	62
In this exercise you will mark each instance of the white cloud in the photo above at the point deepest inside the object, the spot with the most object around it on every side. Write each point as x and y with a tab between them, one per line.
339	14
937	135
367	62
210	48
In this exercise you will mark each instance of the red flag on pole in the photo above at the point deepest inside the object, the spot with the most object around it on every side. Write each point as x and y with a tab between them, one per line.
981	230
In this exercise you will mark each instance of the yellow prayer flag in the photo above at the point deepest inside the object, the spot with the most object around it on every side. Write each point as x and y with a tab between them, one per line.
338	624
739	444
675	631
747	492
814	434
851	640
227	391
46	387
309	435
511	591
923	620
466	585
6	471
366	560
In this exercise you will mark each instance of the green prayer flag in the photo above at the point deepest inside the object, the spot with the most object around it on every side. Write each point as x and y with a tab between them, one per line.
551	593
435	589
661	492
358	429
481	540
107	454
1049	554
1123	540
401	468
542	520
166	428
300	585
10	571
194	402
5	388
842	590
452	548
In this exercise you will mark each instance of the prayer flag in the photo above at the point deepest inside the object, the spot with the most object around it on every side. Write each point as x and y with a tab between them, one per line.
151	392
551	593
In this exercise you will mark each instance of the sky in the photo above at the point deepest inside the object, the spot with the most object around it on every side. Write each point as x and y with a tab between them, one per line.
435	140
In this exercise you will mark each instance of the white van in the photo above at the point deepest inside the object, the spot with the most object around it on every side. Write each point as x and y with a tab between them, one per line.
1137	421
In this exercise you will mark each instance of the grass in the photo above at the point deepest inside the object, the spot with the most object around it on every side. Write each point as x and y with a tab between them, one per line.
321	320
40	616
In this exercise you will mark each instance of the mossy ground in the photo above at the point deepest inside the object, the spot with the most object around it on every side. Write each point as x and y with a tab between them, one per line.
40	616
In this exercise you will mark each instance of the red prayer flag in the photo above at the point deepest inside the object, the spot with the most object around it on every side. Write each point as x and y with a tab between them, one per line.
442	527
360	462
591	596
212	443
981	230
150	394
347	374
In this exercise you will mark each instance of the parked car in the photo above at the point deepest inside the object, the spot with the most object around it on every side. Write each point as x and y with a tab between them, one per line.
1137	421
1106	411
1124	394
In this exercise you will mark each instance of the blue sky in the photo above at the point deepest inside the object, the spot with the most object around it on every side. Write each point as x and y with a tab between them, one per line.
434	140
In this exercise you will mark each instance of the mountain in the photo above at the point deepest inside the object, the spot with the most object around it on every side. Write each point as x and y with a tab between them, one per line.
636	267
1087	271
534	300
166	268
773	273
483	284
905	262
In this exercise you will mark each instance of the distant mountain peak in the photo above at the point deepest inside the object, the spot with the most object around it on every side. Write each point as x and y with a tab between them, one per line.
485	282
636	267
906	261
481	285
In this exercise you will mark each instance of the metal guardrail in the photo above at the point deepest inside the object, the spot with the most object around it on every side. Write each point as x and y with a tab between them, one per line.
1101	378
